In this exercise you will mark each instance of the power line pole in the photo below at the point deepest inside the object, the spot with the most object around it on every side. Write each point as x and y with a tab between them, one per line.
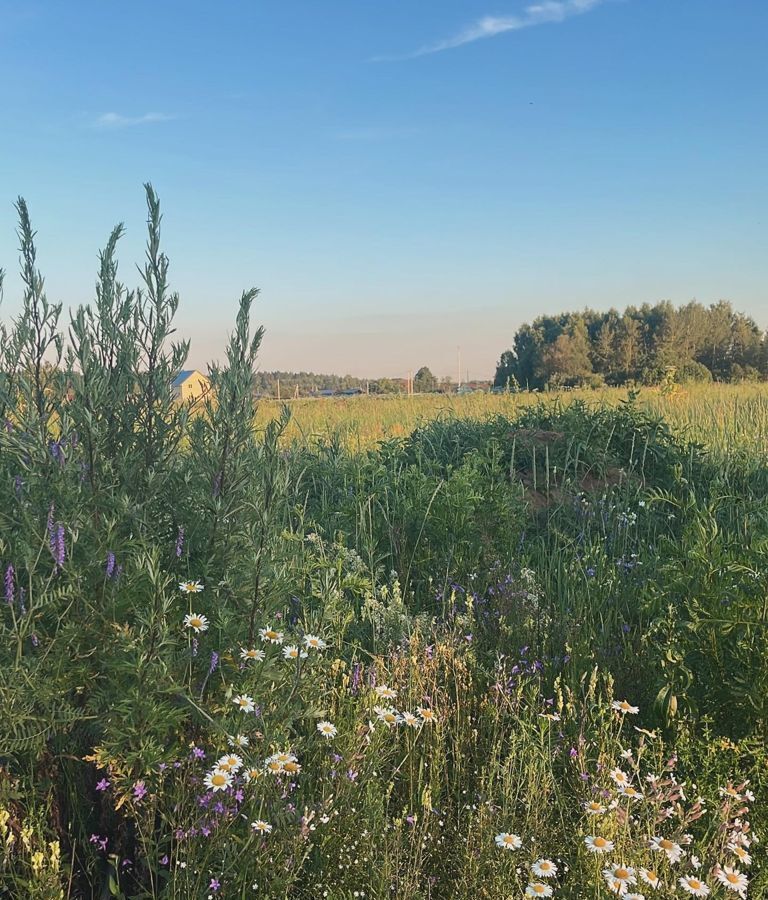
278	388
458	368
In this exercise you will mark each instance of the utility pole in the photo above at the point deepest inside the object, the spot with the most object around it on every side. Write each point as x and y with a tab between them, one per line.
458	368
278	388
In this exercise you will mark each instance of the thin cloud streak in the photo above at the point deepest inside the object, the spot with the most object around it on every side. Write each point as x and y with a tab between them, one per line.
115	120
547	12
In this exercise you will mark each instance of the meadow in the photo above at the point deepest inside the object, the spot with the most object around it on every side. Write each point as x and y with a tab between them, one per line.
487	647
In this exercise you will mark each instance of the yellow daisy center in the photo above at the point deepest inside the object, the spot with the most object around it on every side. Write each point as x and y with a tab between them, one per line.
621	873
694	883
195	622
665	844
732	877
600	842
538	888
218	779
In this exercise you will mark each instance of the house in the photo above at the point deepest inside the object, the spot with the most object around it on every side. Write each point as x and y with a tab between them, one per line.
190	385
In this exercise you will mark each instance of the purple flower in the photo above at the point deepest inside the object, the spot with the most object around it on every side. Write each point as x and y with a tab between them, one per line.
109	569
180	541
102	785
197	753
139	790
9	584
351	775
214	885
164	860
214	663
573	753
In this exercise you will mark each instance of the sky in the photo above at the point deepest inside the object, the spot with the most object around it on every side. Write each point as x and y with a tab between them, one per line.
400	179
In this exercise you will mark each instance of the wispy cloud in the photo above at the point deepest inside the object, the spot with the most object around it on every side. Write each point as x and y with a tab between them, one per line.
546	12
115	120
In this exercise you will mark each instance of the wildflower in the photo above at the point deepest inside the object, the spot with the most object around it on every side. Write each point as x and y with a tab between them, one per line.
292	767
619	777
313	642
538	889
190	587
10	574
626	790
650	877
139	790
743	856
214	885
269	635
102	785
621	873
411	720
198	753
261	826
109	568
693	885
244	702
427	715
732	879
230	762
508	841
672	850
252	654
218	780
623	706
238	740
593	808
252	773
390	716
544	868
196	622
293	652
634	896
597	844
386	693
327	729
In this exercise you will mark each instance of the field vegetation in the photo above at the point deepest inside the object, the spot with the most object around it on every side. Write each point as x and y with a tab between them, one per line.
482	647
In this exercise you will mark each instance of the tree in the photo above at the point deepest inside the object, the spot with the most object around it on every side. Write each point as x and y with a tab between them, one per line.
424	381
567	361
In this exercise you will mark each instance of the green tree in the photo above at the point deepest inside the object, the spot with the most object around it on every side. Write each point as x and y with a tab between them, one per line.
424	381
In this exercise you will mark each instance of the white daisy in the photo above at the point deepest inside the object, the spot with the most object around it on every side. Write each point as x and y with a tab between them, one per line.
538	889
190	587
313	642
230	762
508	841
597	844
327	729
634	896
623	874
238	740
544	868
261	827
385	692
624	706
740	853
196	622
251	654
594	808
427	715
269	635
693	885
293	652
673	851
252	773
650	877
411	720
389	716
218	780
732	879
626	790
244	703
619	777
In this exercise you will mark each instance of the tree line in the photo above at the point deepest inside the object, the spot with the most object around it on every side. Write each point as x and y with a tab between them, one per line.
646	344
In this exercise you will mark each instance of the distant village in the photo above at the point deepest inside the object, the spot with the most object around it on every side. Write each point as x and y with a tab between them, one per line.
192	384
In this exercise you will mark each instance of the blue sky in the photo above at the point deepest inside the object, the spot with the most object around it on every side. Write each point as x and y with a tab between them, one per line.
398	177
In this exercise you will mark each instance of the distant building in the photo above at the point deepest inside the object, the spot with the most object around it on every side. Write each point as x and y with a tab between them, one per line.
190	385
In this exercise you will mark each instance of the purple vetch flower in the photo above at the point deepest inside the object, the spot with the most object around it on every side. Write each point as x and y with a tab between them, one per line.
198	753
109	568
9	584
351	775
195	645
164	860
573	753
214	662
214	885
100	841
22	597
139	790
102	785
180	541
57	452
